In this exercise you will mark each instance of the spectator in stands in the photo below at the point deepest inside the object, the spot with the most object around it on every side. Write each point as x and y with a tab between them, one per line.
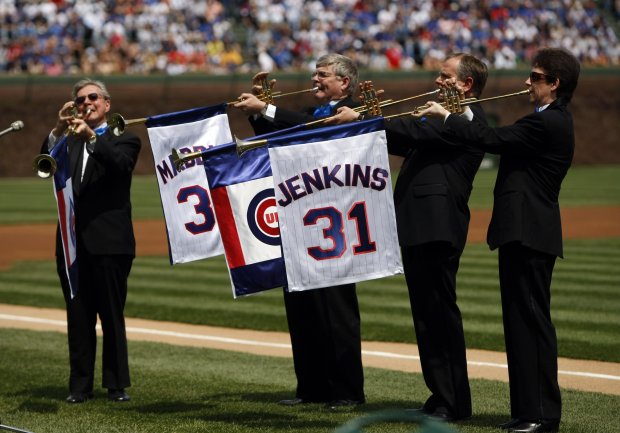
292	34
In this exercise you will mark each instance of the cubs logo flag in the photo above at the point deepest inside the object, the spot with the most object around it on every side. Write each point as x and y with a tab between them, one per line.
63	190
191	227
243	198
244	202
333	193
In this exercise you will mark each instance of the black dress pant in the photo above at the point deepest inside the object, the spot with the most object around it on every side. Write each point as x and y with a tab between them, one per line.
430	272
531	344
102	291
324	325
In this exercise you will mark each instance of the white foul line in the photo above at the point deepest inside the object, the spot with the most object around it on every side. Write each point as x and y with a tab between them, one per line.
62	323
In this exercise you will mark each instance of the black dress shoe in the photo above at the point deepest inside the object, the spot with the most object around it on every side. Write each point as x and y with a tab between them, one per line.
292	402
118	395
510	424
78	397
536	426
343	404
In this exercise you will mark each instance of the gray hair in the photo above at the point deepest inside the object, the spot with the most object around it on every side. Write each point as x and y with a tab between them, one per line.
87	82
343	67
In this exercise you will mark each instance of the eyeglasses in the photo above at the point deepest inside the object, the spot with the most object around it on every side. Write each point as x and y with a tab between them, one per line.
537	76
321	74
91	97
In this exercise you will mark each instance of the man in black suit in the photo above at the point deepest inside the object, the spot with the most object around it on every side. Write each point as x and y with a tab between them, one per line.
101	166
324	324
432	216
536	153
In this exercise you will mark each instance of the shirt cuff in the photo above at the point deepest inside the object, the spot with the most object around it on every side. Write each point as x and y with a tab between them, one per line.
51	141
467	114
269	112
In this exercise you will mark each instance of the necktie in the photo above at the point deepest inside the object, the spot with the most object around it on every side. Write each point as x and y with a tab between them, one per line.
323	111
101	129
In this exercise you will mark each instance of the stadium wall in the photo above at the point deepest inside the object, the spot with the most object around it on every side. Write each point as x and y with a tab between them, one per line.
36	100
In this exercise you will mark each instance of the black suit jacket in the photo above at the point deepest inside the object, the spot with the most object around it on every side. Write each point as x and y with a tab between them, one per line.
102	198
536	153
434	183
288	118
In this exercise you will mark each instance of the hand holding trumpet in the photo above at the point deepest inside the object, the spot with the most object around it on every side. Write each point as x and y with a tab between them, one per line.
72	121
260	86
249	103
451	95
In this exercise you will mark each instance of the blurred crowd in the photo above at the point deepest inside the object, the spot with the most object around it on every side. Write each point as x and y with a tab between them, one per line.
59	37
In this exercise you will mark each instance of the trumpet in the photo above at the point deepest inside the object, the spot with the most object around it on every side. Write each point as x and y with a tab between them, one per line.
373	106
117	123
179	160
269	96
243	146
45	165
455	102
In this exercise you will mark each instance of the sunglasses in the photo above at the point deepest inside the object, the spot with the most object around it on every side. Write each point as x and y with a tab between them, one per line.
91	97
537	76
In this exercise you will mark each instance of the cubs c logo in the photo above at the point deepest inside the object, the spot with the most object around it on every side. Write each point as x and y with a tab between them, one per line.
263	217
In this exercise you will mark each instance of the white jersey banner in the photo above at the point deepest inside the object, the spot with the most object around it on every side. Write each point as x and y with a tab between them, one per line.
335	206
191	226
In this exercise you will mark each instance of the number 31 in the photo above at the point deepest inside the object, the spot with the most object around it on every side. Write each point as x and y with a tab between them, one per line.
335	231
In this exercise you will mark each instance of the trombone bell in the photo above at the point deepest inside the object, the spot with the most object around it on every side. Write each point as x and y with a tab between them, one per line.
44	165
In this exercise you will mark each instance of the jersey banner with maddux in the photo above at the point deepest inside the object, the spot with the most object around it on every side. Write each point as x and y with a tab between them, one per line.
335	206
191	226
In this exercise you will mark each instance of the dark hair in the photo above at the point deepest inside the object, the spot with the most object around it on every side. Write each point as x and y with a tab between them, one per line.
470	66
343	67
560	64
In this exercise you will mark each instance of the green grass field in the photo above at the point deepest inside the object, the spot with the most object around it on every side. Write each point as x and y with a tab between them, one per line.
180	389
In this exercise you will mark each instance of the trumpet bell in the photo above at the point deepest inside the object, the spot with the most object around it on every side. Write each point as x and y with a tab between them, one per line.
117	124
44	166
246	145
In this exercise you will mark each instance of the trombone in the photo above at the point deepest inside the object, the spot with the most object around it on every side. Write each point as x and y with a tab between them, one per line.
44	165
454	102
